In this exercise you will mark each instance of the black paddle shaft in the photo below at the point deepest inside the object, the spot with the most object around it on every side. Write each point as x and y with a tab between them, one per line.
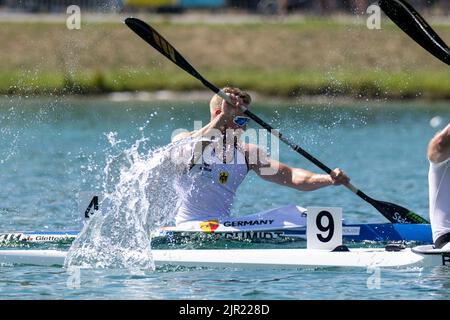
392	212
291	144
157	41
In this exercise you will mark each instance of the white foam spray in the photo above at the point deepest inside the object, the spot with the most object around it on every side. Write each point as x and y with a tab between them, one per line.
140	195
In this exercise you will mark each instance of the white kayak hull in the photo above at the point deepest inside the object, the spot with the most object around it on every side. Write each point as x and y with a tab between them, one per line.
257	258
294	258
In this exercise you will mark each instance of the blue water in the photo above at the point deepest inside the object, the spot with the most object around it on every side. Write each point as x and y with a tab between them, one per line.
51	149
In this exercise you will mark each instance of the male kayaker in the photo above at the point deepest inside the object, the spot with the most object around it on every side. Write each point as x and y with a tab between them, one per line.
439	184
214	176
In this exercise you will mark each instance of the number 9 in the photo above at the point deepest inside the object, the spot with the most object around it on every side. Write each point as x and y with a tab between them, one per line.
325	228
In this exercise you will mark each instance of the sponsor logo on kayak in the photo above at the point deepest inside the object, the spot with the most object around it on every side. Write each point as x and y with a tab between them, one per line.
11	237
245	223
252	235
209	226
5	237
350	231
47	238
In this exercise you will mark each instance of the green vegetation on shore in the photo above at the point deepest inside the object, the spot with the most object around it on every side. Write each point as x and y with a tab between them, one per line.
283	59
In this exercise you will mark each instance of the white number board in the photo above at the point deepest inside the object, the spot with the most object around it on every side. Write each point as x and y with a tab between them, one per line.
323	228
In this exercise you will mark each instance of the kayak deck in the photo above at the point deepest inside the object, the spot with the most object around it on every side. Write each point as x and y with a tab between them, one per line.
351	233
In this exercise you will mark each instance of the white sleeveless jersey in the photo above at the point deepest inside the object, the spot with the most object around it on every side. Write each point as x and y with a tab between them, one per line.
212	186
439	193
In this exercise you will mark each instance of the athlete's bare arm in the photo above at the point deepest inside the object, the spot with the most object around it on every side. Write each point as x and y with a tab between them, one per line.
210	130
439	146
297	178
219	122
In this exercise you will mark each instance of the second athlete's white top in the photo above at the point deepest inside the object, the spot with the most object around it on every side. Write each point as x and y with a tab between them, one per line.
439	193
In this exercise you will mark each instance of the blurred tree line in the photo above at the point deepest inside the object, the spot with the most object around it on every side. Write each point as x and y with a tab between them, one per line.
318	7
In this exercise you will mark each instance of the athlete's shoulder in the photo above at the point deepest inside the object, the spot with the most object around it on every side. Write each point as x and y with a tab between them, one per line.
439	165
439	147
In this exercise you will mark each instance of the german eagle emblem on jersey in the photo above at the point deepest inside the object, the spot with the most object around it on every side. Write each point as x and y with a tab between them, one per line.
223	177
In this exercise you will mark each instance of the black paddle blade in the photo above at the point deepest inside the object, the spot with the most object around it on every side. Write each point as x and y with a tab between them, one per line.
397	214
157	41
412	23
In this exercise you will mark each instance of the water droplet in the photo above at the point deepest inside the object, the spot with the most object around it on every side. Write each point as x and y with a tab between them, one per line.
436	121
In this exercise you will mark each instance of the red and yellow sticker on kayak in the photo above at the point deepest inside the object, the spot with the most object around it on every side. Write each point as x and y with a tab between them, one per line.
209	226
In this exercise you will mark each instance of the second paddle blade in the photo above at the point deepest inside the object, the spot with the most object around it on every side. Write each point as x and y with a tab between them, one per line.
412	23
398	214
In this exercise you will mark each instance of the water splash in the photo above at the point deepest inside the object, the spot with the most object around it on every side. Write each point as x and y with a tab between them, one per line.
140	195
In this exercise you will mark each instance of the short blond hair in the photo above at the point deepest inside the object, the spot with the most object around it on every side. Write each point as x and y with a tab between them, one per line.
216	101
